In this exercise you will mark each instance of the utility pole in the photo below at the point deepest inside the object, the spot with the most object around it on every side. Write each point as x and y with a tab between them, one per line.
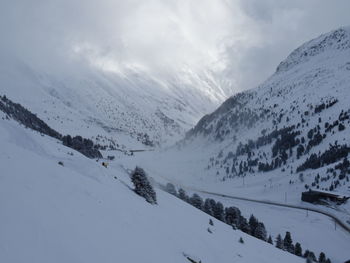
335	225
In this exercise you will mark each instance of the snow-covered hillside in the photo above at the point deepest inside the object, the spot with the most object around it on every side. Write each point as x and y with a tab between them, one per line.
88	101
82	212
278	140
297	122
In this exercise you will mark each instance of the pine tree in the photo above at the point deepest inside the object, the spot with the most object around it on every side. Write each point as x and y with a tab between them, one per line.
207	207
182	195
196	201
322	258
260	231
232	215
253	223
143	186
298	250
279	242
241	240
269	240
312	256
328	260
212	204
243	225
288	242
218	211
211	222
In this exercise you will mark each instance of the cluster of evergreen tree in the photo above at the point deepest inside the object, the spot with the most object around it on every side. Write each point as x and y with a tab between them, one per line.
282	149
333	154
322	106
145	139
257	229
287	244
344	167
283	141
143	186
285	138
82	145
230	215
17	112
315	137
233	216
337	123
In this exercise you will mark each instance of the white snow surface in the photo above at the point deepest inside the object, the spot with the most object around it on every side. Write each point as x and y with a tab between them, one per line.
317	72
80	213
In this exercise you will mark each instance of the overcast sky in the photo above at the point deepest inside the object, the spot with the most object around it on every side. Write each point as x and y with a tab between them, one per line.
241	40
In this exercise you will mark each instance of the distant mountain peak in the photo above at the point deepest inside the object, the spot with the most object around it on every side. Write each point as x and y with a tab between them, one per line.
336	40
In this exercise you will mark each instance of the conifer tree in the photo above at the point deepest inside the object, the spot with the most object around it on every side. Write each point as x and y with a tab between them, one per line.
196	201
269	240
298	250
322	258
288	242
260	231
253	223
182	195
279	242
218	211
232	215
207	207
243	225
143	186
312	256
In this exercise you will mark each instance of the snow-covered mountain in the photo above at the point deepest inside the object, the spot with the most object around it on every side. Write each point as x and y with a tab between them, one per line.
278	140
59	206
295	122
89	101
289	134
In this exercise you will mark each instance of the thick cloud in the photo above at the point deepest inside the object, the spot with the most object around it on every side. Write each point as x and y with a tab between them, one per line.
241	41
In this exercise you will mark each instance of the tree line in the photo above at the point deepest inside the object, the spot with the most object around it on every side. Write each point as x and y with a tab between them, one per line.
252	226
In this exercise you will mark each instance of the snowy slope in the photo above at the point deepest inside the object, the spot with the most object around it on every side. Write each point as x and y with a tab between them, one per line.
80	212
288	135
89	101
304	105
